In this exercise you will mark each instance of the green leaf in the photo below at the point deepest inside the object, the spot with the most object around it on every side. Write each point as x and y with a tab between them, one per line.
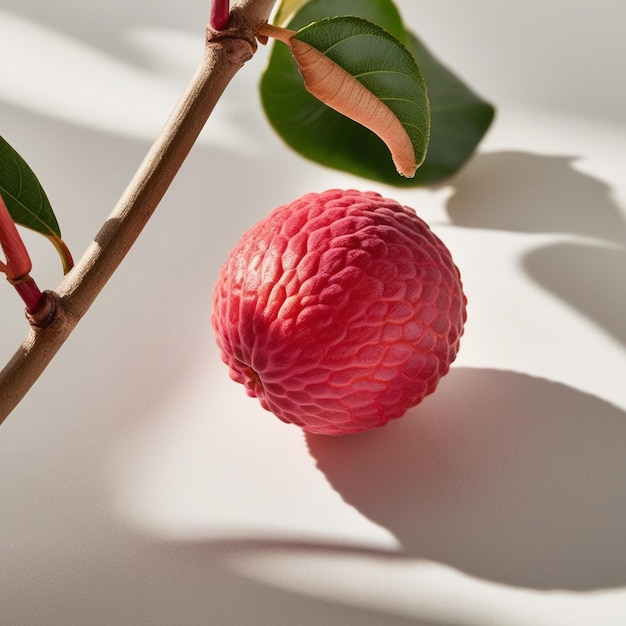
459	118
23	194
27	202
383	90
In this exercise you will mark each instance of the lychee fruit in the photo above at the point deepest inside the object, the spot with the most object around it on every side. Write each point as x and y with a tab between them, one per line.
339	311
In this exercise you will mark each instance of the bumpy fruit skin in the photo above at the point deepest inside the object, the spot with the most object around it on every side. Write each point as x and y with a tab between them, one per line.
339	311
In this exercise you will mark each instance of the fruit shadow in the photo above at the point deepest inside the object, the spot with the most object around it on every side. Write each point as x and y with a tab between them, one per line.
504	476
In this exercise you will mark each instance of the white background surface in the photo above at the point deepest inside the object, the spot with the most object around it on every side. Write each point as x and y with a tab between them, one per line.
139	485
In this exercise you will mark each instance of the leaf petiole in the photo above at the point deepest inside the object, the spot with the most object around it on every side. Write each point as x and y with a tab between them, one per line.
276	32
18	261
18	264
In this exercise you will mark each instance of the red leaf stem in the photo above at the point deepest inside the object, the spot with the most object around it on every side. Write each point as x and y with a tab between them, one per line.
18	263
30	294
220	14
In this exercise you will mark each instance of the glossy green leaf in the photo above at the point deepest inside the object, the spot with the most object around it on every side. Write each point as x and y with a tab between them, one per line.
383	90
27	202
23	194
459	118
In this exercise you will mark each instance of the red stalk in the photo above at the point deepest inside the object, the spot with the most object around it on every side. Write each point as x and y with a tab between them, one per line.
18	263
220	14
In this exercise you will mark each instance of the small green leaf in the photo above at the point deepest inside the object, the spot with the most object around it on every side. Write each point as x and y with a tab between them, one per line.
23	194
27	202
459	118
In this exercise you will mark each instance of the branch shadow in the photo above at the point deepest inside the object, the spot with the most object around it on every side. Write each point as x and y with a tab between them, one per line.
501	475
530	193
270	602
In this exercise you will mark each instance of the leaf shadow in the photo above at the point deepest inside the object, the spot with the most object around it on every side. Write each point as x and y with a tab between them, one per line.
501	475
523	192
589	278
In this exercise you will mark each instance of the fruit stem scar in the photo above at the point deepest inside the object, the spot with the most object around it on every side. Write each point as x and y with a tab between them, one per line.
254	376
250	373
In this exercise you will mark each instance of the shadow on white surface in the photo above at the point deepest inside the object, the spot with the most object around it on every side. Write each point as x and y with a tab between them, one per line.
504	476
528	193
588	277
503	489
531	193
315	583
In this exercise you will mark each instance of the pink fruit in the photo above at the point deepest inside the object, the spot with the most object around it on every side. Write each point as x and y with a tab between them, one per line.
339	311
